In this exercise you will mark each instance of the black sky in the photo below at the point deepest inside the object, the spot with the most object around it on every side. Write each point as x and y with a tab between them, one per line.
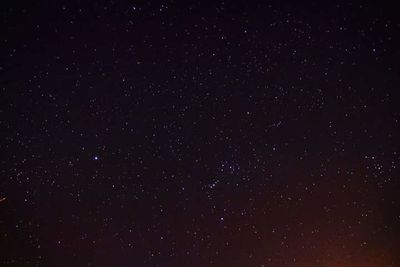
199	133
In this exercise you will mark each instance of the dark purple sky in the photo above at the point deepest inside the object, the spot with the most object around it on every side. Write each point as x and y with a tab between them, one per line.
199	134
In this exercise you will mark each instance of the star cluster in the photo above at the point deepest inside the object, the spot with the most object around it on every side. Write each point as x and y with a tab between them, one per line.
167	133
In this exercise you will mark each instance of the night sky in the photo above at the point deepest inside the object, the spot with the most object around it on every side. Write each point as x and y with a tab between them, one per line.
199	133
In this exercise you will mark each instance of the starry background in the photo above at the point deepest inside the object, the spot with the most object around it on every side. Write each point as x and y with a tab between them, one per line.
199	133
